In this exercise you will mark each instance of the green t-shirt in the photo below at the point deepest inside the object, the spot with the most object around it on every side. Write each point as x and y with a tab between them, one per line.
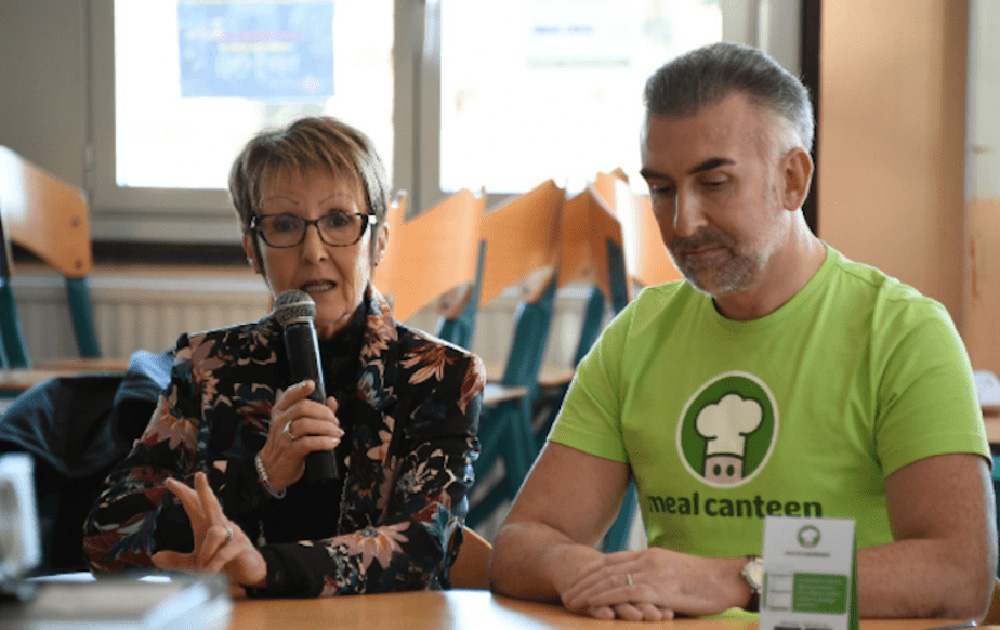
801	412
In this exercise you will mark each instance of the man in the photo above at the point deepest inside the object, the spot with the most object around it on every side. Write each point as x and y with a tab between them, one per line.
780	378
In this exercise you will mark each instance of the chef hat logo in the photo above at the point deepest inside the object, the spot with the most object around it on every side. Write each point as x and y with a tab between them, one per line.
727	429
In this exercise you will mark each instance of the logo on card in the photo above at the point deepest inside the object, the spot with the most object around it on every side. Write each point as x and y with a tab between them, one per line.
728	429
809	536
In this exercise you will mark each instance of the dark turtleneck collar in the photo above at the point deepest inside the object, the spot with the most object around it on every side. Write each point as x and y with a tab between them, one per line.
341	354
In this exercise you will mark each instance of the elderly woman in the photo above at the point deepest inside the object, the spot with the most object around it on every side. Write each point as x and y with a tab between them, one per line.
215	483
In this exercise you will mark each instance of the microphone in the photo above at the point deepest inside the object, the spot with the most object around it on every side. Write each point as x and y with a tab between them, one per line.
295	311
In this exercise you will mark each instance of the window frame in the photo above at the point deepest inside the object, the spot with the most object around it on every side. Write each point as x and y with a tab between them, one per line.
170	215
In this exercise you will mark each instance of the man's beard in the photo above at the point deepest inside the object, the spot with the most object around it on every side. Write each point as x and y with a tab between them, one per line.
727	270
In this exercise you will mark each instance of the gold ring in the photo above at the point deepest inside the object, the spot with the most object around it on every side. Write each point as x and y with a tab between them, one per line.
287	431
229	535
628	579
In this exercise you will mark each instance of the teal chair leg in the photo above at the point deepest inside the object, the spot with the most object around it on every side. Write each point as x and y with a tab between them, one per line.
83	319
619	276
617	537
15	352
504	435
550	401
593	317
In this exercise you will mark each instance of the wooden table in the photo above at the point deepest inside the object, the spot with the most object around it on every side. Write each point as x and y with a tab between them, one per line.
465	610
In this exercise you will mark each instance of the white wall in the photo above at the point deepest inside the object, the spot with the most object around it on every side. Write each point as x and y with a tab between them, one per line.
44	88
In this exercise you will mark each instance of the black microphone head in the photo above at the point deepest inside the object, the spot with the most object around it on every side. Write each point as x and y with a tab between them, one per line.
293	306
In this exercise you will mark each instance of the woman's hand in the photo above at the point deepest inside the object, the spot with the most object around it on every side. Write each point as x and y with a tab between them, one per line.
219	544
299	426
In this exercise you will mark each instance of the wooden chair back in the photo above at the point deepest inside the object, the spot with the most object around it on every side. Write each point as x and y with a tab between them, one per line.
435	252
592	252
606	186
385	273
50	219
45	215
653	263
522	237
648	261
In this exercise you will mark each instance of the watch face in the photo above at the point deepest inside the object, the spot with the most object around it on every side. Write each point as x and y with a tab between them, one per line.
753	571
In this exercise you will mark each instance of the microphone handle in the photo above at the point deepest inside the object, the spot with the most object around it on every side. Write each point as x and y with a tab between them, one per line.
302	349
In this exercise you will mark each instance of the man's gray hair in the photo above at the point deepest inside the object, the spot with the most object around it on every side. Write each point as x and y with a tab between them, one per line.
706	76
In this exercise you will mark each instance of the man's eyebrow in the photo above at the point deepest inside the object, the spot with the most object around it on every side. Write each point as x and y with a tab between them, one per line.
706	165
651	174
710	164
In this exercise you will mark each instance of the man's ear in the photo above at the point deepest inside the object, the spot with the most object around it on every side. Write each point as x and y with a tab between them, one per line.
796	171
252	254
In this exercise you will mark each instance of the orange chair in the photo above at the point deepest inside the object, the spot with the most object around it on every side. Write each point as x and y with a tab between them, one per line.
591	252
49	218
649	263
521	239
593	249
385	272
430	254
654	265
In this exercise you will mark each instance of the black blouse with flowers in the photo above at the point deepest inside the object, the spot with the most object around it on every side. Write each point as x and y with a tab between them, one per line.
406	459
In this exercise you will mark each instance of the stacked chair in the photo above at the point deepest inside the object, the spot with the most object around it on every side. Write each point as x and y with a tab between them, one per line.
521	239
435	254
537	242
653	263
594	247
51	219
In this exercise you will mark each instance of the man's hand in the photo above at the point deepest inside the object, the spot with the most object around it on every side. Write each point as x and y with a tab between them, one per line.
545	550
654	584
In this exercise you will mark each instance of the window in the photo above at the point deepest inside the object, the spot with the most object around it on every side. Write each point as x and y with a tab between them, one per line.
554	87
551	89
195	79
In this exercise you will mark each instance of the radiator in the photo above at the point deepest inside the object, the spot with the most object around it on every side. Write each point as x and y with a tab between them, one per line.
148	312
134	312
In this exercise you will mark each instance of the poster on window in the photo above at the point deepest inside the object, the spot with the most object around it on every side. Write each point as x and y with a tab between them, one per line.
582	33
261	49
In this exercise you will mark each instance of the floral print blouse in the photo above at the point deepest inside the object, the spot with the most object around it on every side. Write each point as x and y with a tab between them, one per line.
406	477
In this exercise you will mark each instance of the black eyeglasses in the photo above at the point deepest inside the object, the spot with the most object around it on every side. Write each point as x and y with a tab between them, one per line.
336	229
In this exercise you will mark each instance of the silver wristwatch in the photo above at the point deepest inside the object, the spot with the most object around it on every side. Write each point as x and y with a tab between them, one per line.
753	573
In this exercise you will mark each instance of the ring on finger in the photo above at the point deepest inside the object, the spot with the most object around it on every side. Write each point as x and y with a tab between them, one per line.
628	579
287	431
229	535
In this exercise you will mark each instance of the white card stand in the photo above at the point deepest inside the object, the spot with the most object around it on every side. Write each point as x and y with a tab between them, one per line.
809	574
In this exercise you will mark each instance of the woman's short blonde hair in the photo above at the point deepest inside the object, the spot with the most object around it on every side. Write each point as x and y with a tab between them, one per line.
319	142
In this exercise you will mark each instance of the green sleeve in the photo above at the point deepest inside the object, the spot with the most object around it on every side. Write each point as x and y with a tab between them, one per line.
927	403
590	418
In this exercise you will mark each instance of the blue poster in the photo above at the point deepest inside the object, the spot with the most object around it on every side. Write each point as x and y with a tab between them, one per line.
259	49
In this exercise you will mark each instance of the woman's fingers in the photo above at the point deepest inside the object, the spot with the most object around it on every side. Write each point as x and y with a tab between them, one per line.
189	499
215	541
174	561
209	503
293	395
300	427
